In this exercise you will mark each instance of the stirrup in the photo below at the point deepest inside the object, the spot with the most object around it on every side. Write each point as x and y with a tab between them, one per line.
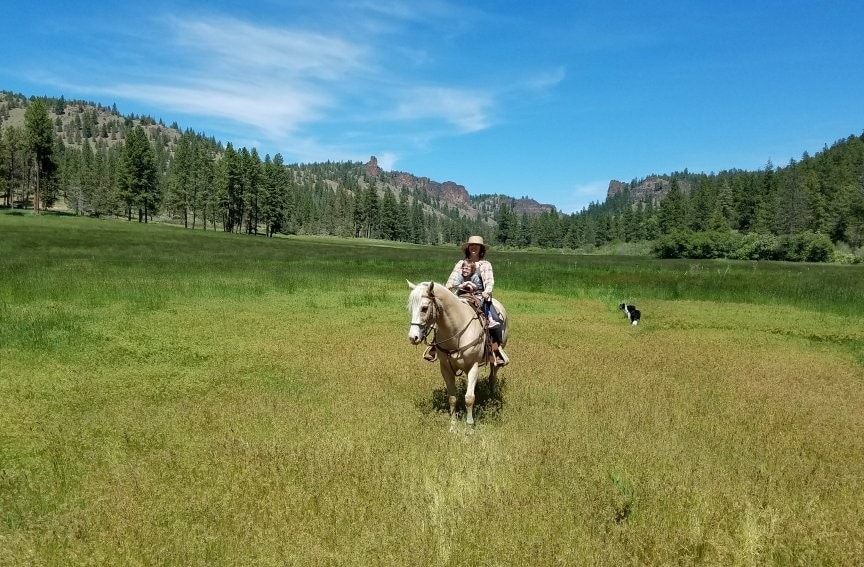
504	360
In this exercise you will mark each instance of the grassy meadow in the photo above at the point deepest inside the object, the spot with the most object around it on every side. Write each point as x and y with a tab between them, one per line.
188	397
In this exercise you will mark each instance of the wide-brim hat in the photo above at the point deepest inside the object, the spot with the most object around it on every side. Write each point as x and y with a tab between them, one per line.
475	240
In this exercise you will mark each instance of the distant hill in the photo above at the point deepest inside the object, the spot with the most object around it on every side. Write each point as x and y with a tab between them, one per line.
454	194
798	211
76	121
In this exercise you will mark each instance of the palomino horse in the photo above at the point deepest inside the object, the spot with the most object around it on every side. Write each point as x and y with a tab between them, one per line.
460	338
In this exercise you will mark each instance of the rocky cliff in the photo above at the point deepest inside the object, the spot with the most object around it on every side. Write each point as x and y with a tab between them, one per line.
651	188
453	193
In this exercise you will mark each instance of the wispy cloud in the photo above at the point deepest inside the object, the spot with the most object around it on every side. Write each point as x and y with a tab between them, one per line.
240	48
387	161
302	89
468	110
583	195
271	110
543	81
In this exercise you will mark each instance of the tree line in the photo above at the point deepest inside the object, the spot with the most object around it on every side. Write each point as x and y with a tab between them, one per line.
137	169
195	180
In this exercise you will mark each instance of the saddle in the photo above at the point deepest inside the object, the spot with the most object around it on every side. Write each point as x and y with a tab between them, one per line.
431	354
477	304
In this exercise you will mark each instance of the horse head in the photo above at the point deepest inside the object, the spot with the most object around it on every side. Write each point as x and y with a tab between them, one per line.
423	310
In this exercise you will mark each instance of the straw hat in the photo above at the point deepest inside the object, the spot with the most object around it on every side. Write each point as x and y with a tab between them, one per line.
475	240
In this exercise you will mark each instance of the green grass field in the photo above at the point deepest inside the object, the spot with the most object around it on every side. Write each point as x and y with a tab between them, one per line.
179	397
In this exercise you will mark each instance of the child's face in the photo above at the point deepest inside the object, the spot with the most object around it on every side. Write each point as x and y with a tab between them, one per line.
466	271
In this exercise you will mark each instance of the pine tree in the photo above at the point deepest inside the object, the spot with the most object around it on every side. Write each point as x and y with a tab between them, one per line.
14	162
252	193
371	211
389	222
766	199
181	187
791	214
506	221
403	214
138	180
40	143
231	190
418	223
672	211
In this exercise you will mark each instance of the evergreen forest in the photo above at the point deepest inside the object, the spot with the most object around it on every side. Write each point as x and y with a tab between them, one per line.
88	159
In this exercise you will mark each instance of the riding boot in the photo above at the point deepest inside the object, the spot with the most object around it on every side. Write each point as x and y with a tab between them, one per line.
431	354
496	334
501	358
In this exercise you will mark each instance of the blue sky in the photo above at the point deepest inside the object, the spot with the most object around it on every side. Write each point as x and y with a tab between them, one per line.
549	100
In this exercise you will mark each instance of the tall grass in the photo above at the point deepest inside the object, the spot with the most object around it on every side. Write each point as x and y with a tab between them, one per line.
197	398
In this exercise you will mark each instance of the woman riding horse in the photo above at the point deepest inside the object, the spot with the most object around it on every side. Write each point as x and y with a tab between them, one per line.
459	338
475	251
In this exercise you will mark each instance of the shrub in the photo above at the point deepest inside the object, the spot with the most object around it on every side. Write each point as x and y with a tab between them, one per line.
755	246
696	245
818	247
672	245
804	247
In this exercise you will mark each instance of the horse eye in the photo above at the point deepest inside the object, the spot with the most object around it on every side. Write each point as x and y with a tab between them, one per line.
424	309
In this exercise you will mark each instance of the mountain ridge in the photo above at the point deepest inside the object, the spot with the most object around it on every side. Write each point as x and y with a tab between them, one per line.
75	119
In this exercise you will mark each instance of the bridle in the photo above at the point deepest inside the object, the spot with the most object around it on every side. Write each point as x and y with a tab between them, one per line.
429	323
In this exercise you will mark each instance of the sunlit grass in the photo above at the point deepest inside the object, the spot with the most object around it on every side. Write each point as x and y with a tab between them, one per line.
242	400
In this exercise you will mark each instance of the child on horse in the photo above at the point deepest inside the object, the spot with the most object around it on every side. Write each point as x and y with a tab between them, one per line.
475	251
469	282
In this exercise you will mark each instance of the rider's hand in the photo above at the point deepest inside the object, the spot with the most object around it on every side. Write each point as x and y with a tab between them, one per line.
485	295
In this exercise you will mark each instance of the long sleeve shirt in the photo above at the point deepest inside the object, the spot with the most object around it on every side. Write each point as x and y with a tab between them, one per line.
484	269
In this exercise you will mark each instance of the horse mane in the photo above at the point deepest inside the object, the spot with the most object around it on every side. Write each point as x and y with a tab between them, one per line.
419	292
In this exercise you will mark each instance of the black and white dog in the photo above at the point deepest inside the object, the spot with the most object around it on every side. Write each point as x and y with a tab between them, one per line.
632	313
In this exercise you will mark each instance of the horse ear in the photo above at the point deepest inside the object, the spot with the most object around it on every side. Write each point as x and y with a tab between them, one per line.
431	290
410	285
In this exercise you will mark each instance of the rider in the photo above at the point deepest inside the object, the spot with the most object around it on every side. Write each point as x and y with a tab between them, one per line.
475	251
469	282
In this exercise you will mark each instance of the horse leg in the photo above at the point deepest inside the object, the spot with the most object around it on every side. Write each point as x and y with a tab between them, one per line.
469	393
450	383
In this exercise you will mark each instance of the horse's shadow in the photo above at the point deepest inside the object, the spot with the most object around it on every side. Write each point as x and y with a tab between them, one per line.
488	401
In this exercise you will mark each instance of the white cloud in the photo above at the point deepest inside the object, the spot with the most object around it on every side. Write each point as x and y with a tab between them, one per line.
387	160
547	80
583	195
237	47
309	92
274	112
468	111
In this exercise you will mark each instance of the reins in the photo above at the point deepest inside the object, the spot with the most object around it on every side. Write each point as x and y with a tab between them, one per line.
436	342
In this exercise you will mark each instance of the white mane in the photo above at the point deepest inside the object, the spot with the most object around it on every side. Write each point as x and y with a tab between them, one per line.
416	296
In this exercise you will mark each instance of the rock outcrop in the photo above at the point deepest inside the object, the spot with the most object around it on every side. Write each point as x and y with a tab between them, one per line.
651	188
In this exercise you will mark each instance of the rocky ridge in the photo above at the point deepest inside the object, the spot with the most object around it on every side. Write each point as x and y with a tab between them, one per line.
652	188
